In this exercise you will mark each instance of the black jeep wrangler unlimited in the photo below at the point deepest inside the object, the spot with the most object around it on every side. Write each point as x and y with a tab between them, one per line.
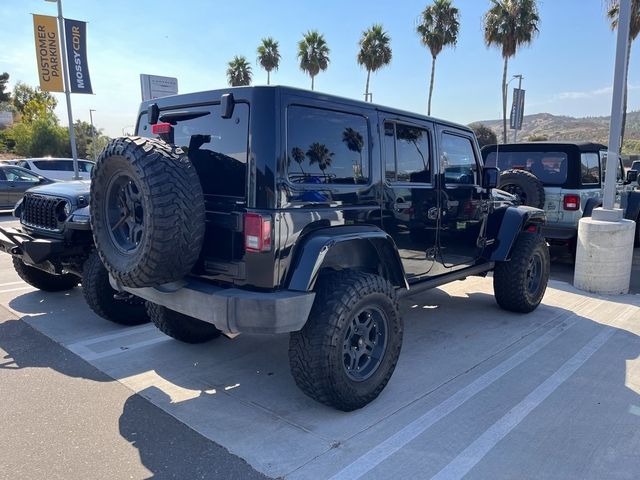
53	250
272	209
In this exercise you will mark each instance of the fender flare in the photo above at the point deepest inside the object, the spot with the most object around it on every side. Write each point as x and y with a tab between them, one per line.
632	212
320	247
514	221
590	205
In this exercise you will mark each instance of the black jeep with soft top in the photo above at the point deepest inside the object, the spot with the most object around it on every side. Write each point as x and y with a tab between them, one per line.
271	210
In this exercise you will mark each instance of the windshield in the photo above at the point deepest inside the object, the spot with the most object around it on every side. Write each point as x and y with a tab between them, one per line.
550	167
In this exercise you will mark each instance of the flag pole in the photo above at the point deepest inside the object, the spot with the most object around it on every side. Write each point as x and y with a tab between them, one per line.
67	91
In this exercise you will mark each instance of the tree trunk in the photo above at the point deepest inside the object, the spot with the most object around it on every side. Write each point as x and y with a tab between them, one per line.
504	101
433	71
366	90
312	78
268	77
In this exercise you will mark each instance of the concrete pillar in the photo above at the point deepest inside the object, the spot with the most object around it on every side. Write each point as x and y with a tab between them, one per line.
604	253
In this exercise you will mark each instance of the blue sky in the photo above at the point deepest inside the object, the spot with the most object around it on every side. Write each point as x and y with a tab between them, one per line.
568	69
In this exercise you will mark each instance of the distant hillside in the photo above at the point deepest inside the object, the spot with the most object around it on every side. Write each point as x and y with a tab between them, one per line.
556	127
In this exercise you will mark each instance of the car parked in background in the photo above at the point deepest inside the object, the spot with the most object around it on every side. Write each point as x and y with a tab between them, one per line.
635	166
57	168
14	181
565	179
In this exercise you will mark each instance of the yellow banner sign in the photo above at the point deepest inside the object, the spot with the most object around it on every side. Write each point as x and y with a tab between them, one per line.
47	38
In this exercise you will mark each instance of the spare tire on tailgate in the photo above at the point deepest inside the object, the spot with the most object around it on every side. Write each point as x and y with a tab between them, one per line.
147	211
524	185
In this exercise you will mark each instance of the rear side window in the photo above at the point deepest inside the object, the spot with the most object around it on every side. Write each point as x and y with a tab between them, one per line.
54	165
24	165
590	168
326	147
218	147
550	167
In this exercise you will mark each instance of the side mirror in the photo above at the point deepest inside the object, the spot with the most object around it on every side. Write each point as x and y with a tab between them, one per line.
490	177
632	176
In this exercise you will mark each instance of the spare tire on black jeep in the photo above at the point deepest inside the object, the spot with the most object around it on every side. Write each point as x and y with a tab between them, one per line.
147	211
524	185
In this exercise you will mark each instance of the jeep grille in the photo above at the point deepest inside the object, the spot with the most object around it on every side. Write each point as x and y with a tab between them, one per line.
40	212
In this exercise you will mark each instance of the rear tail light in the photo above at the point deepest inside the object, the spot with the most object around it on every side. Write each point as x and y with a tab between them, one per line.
571	202
160	128
257	232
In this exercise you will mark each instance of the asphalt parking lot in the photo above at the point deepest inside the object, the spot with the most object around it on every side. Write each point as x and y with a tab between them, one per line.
478	393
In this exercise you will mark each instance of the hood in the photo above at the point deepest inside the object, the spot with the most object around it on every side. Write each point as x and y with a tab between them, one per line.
500	198
71	190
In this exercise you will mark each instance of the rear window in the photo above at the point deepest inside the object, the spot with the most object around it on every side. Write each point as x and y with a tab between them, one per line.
550	167
324	146
218	147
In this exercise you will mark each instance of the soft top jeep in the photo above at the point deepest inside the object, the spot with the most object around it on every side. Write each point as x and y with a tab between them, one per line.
272	209
53	250
565	179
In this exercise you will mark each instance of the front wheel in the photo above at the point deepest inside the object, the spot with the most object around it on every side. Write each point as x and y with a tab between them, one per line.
125	309
519	284
347	351
48	282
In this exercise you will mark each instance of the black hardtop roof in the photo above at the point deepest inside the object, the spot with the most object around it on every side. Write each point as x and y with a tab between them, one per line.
546	145
247	93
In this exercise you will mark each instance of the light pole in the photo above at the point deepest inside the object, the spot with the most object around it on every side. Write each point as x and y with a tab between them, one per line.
93	135
67	89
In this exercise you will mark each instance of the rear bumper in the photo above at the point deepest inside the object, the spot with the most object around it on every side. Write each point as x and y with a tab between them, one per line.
561	233
32	250
231	310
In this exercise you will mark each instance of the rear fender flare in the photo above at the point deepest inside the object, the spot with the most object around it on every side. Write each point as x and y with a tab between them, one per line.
590	205
632	212
346	247
515	220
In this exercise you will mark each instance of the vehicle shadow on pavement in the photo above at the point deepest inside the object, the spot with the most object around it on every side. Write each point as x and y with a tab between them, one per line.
237	393
166	448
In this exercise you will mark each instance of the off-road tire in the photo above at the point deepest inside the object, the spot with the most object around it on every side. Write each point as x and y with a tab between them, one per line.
510	278
181	327
48	282
524	185
173	205
316	352
99	296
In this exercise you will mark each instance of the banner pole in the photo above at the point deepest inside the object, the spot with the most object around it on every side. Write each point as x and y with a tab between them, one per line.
67	91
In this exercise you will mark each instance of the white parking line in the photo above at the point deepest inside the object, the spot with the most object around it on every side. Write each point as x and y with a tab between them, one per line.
89	355
125	332
391	445
470	456
11	283
28	287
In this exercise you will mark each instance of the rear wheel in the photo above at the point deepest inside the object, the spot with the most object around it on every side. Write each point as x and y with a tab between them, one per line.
125	309
48	282
347	351
519	284
181	327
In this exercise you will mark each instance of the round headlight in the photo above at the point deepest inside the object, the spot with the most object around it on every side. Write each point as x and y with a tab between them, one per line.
67	209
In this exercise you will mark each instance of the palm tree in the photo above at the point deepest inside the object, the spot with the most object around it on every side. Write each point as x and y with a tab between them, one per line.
269	56
354	141
509	24
298	156
613	12
438	28
239	72
375	51
320	154
313	54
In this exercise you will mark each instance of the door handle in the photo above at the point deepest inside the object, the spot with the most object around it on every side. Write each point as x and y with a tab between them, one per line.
402	205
